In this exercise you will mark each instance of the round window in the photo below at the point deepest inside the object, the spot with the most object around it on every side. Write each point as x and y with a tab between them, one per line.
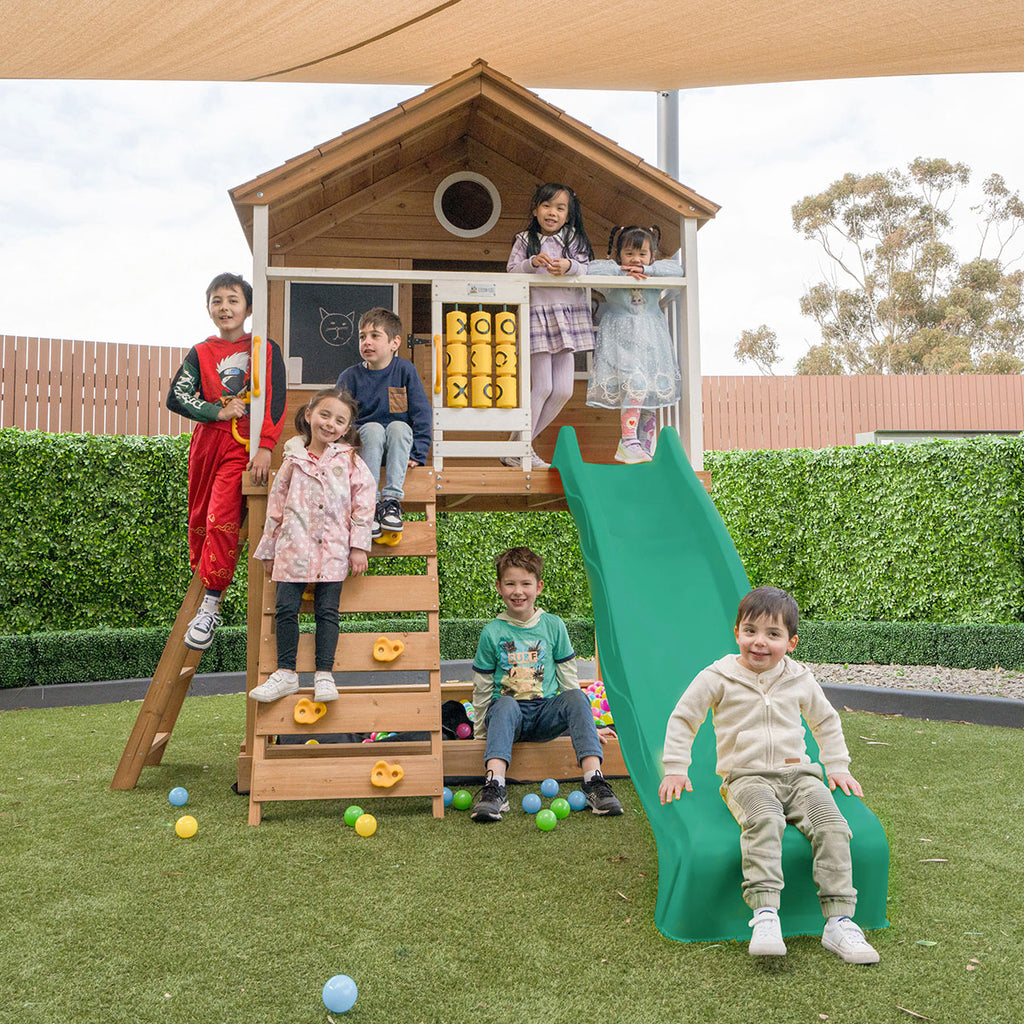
467	204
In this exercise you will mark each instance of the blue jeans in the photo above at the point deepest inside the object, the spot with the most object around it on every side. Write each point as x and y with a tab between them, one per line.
394	442
539	720
325	609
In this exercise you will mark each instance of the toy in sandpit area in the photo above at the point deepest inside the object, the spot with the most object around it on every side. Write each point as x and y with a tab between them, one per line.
386	775
339	994
599	704
387	650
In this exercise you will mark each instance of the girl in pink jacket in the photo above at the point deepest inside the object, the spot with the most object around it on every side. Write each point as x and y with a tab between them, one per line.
317	532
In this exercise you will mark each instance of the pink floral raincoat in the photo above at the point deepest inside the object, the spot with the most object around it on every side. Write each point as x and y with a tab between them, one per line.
317	511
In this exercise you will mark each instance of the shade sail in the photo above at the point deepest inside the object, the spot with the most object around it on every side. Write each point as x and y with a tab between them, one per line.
586	44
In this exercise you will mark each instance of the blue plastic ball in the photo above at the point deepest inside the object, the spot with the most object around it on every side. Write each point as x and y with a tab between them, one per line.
549	788
577	800
531	803
340	994
448	796
178	796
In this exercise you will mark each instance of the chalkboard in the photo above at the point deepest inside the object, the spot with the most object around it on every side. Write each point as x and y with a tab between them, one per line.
323	326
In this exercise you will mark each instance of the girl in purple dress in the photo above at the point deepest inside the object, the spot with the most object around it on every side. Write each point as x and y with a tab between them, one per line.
554	243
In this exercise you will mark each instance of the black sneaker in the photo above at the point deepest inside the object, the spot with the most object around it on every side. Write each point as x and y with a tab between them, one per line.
490	801
600	797
390	517
378	512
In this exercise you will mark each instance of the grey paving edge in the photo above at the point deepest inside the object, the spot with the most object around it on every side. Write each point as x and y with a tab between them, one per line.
942	707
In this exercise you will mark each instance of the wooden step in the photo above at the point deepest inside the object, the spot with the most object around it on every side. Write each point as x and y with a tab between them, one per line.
382	594
340	778
355	653
357	710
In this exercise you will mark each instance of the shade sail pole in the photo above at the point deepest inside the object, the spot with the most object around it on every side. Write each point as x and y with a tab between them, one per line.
668	132
684	311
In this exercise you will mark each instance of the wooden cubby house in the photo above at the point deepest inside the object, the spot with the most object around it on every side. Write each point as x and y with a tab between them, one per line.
417	209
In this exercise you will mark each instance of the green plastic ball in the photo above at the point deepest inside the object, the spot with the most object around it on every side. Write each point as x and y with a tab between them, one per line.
546	820
352	815
560	807
462	799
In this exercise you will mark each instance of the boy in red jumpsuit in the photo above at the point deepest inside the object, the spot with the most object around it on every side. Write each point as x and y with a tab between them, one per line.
211	387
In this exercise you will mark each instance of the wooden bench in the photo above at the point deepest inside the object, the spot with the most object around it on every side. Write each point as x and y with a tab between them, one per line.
531	762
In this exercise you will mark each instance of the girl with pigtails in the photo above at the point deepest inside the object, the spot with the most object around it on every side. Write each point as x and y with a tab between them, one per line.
635	366
553	243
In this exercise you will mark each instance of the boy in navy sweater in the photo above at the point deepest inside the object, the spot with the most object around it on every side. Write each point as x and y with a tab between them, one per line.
394	413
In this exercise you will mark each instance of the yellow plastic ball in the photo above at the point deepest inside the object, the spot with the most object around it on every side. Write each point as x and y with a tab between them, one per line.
366	824
312	743
186	826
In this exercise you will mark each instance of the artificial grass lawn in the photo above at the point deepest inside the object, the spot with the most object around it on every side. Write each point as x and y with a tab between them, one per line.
109	917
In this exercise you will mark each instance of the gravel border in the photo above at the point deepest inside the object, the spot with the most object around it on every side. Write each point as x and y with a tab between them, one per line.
983	696
994	682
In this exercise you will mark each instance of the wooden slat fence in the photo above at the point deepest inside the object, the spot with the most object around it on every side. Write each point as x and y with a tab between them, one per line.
87	387
818	412
99	388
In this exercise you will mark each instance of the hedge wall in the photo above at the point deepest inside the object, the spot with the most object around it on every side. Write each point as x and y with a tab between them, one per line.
43	659
94	533
90	655
917	532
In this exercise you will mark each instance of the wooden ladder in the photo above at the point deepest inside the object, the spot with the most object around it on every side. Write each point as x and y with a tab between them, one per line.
166	694
336	770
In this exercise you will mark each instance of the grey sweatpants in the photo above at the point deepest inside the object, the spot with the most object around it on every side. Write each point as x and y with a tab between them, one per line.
762	804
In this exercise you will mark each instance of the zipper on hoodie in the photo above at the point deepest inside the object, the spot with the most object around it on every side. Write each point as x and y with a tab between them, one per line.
768	729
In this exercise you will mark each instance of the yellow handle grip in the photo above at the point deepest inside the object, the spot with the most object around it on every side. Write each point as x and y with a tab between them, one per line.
257	341
243	441
437	361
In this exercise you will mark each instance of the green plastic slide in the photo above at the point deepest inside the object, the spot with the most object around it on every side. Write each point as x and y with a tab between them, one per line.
665	579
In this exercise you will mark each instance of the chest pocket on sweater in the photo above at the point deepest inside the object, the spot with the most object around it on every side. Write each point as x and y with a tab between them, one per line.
398	400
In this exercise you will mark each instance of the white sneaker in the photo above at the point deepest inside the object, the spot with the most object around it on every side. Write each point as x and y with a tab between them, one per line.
766	939
280	684
537	462
631	452
844	938
199	634
324	688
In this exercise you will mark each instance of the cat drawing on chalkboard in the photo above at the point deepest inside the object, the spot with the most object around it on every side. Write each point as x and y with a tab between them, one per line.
337	329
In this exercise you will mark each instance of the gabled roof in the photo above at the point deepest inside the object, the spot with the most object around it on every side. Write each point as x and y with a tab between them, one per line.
478	119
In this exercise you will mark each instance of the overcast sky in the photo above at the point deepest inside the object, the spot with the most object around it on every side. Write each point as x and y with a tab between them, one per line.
115	213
